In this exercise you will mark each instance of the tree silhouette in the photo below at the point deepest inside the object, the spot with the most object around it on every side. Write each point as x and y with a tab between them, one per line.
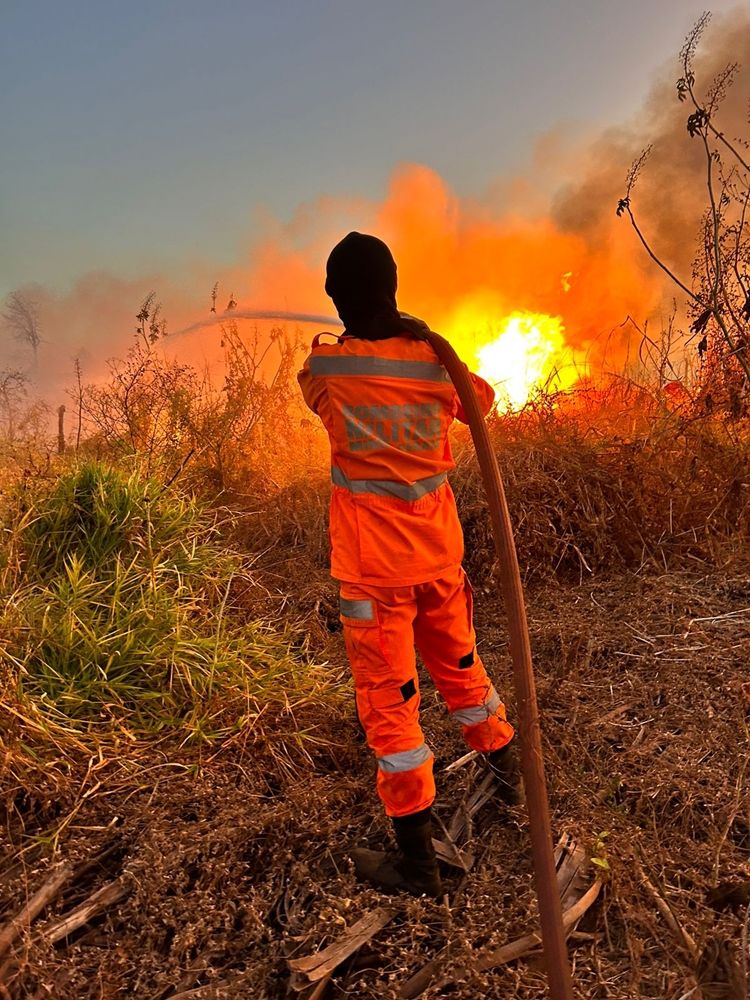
21	316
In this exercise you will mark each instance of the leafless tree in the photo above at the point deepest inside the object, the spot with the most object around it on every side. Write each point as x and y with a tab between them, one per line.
21	317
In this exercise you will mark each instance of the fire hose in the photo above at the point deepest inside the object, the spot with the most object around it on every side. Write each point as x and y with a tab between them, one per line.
532	762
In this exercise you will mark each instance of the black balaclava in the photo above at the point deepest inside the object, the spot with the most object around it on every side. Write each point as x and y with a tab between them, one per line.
361	280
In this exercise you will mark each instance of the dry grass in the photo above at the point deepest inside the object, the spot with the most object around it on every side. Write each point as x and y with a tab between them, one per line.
632	531
654	490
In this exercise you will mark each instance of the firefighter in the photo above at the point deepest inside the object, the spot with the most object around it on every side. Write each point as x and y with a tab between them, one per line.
396	549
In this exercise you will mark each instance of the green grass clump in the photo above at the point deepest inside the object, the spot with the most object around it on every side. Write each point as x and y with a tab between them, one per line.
104	518
118	605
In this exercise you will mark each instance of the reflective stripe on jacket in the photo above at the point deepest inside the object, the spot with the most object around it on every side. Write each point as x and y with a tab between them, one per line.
387	406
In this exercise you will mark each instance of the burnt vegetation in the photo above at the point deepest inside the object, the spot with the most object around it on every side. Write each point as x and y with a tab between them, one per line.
181	770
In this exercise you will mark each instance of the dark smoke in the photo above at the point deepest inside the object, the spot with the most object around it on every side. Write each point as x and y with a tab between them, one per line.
670	196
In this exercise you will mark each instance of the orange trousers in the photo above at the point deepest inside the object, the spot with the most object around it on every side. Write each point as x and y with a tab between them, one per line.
382	625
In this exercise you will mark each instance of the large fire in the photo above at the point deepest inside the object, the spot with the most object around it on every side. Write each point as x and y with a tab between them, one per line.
528	305
518	353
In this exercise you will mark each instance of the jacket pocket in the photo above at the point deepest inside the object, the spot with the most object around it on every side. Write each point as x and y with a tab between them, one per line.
363	636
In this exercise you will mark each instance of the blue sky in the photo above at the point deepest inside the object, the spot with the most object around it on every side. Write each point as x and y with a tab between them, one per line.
139	136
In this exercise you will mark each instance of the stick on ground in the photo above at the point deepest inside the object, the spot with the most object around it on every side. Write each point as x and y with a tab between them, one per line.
315	967
43	897
97	903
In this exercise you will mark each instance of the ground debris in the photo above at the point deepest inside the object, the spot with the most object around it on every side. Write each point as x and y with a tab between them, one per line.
576	897
320	965
41	898
236	865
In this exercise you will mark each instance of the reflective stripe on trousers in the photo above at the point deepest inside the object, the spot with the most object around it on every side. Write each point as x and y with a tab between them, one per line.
478	713
405	760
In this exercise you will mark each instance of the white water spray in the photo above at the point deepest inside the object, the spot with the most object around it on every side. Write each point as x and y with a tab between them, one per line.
233	314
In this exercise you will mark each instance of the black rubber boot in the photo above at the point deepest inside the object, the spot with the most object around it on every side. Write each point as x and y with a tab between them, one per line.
413	868
504	765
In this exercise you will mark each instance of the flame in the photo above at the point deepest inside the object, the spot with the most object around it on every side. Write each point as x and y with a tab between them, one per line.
518	353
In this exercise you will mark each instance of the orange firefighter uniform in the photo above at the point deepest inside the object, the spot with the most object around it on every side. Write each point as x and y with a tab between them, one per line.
396	548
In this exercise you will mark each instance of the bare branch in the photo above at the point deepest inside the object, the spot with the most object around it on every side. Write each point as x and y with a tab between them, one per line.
656	259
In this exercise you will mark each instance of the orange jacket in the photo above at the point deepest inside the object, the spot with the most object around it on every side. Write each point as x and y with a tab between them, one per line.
387	406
